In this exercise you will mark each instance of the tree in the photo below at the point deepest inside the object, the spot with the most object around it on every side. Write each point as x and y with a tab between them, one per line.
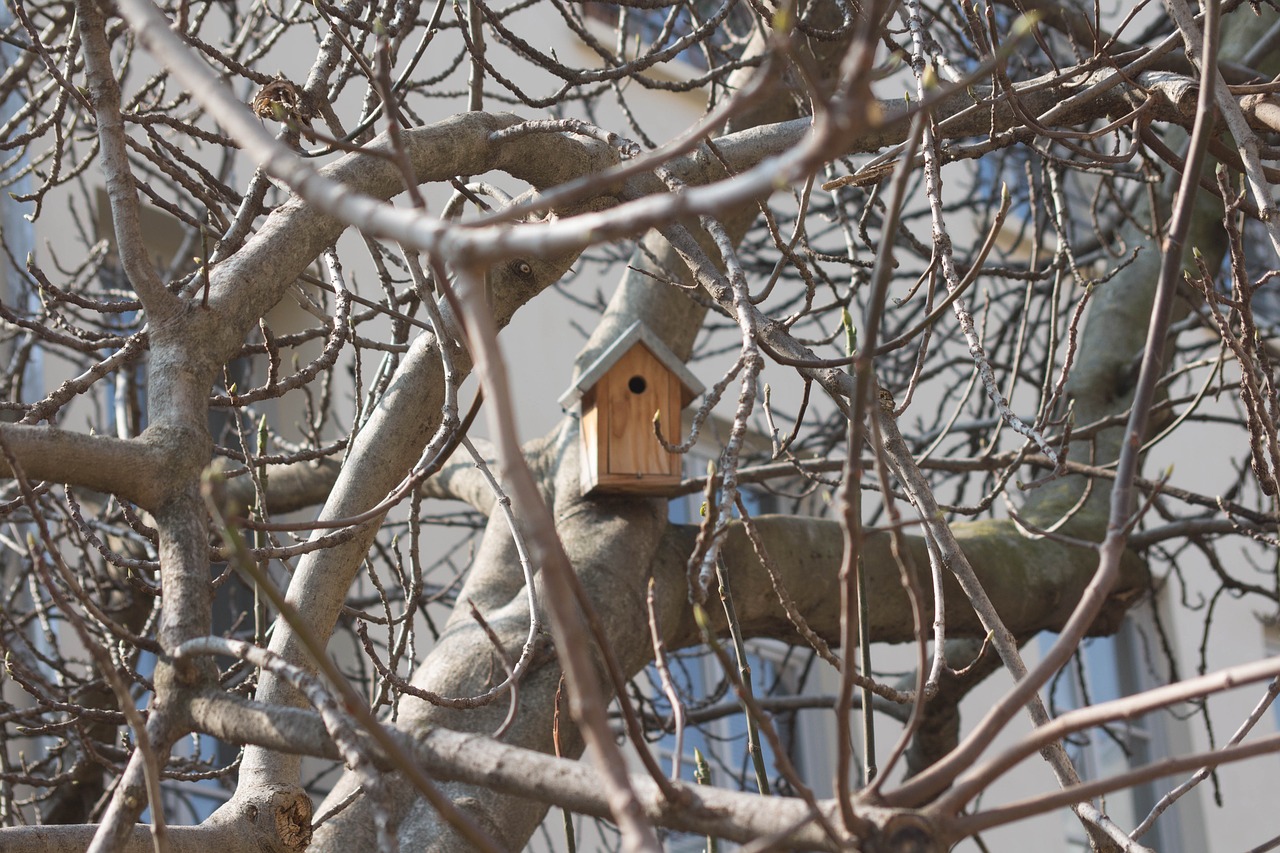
983	462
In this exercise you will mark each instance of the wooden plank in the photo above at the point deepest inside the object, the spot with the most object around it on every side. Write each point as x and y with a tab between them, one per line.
636	387
637	484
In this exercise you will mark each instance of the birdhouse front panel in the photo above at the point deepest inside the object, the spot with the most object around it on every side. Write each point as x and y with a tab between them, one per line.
617	395
637	387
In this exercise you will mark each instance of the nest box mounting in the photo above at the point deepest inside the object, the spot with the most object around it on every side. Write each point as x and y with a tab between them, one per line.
619	394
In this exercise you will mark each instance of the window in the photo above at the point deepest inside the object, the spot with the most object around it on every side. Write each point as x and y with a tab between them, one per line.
716	725
663	27
1104	669
1258	263
18	230
188	802
1271	645
191	799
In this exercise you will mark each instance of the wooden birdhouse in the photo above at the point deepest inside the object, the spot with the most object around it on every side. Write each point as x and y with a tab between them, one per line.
619	393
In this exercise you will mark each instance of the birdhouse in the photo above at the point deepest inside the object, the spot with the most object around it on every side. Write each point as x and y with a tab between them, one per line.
619	394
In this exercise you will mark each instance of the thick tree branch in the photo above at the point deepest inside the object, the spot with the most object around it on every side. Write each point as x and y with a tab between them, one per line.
134	469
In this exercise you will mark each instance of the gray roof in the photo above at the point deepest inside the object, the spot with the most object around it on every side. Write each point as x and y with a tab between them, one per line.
637	332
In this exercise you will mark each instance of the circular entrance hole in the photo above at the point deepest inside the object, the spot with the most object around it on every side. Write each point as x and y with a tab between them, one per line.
636	384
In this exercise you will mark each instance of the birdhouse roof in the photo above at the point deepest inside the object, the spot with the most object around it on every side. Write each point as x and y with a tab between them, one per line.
636	333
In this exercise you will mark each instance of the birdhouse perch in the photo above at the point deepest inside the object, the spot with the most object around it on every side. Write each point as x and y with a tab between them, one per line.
619	394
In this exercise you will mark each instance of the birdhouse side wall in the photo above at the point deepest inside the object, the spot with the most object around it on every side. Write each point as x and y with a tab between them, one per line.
589	447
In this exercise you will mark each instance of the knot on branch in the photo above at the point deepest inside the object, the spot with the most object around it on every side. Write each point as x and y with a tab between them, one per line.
906	833
280	817
284	101
292	814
